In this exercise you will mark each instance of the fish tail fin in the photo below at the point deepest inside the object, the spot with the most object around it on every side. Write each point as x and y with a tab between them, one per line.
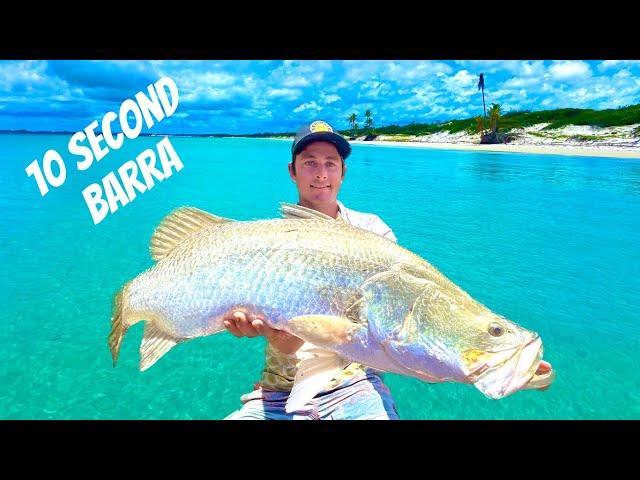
119	324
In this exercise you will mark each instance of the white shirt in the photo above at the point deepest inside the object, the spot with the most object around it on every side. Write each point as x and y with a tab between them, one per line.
366	221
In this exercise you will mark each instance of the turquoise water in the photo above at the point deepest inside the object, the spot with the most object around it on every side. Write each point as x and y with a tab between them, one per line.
552	242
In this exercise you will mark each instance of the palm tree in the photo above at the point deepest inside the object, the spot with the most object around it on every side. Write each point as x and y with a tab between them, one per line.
353	121
494	113
369	120
481	87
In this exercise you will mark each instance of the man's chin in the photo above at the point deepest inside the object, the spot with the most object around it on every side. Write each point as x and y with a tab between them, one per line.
323	197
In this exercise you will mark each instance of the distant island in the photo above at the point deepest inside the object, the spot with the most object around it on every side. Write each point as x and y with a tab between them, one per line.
142	134
574	131
612	127
610	130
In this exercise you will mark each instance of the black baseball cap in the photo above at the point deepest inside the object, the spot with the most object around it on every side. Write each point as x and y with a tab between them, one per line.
320	131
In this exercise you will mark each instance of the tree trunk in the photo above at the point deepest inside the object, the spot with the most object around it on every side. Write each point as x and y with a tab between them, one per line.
484	107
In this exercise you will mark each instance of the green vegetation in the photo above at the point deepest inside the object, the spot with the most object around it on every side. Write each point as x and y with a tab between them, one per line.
353	120
555	118
495	112
538	134
581	138
399	138
588	138
368	124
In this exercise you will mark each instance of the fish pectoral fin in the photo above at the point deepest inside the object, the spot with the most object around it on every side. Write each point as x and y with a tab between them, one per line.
317	367
388	299
289	210
178	225
155	343
323	330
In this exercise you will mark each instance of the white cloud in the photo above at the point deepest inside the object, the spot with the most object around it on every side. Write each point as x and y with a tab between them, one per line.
363	70
286	93
622	74
297	81
373	89
569	70
613	91
218	79
609	64
405	72
292	73
490	66
328	99
517	82
307	106
462	85
534	68
17	73
194	80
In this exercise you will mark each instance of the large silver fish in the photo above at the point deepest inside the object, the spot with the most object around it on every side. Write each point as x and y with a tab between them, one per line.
352	294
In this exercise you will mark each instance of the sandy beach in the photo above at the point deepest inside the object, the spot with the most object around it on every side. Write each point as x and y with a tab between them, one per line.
619	152
573	140
577	140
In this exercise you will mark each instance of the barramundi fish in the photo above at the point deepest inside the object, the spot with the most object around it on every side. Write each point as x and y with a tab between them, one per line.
353	295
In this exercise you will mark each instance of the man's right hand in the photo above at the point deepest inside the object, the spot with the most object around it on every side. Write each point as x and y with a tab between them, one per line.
243	324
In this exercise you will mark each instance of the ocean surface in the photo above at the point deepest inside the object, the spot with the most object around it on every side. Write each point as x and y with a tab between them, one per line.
551	242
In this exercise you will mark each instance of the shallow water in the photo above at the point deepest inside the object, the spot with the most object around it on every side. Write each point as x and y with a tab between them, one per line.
552	242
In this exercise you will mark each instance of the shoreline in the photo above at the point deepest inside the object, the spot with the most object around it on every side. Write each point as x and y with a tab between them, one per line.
571	150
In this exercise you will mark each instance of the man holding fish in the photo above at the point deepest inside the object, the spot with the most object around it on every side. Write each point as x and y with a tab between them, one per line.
317	167
336	297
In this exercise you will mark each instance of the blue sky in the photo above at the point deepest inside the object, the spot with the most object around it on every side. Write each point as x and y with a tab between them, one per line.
242	96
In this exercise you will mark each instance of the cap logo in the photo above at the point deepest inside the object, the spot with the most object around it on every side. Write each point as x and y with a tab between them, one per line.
320	126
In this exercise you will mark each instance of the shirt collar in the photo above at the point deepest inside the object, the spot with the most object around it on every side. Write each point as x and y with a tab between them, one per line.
342	211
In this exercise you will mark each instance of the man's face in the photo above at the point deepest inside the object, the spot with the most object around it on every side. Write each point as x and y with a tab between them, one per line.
319	173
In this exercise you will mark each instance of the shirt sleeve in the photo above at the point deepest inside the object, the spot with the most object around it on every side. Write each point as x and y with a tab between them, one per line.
383	229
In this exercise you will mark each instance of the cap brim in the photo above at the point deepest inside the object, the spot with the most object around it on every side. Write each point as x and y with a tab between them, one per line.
342	145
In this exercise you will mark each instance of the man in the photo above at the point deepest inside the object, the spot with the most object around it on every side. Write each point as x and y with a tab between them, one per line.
317	167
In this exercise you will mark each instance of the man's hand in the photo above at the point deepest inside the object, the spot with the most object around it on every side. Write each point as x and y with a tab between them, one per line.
243	324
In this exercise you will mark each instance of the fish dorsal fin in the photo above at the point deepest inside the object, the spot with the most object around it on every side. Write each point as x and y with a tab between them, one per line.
289	210
178	225
316	369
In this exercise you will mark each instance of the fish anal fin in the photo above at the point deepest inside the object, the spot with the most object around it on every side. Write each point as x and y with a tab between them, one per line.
155	343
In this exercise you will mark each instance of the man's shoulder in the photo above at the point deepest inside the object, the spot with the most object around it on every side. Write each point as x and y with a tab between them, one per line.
367	221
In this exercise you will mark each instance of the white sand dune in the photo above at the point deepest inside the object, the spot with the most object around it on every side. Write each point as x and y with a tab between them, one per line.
583	140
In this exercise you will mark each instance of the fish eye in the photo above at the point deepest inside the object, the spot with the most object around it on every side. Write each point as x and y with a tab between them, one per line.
496	330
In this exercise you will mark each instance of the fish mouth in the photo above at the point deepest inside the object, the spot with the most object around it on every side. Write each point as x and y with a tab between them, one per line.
521	368
542	378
